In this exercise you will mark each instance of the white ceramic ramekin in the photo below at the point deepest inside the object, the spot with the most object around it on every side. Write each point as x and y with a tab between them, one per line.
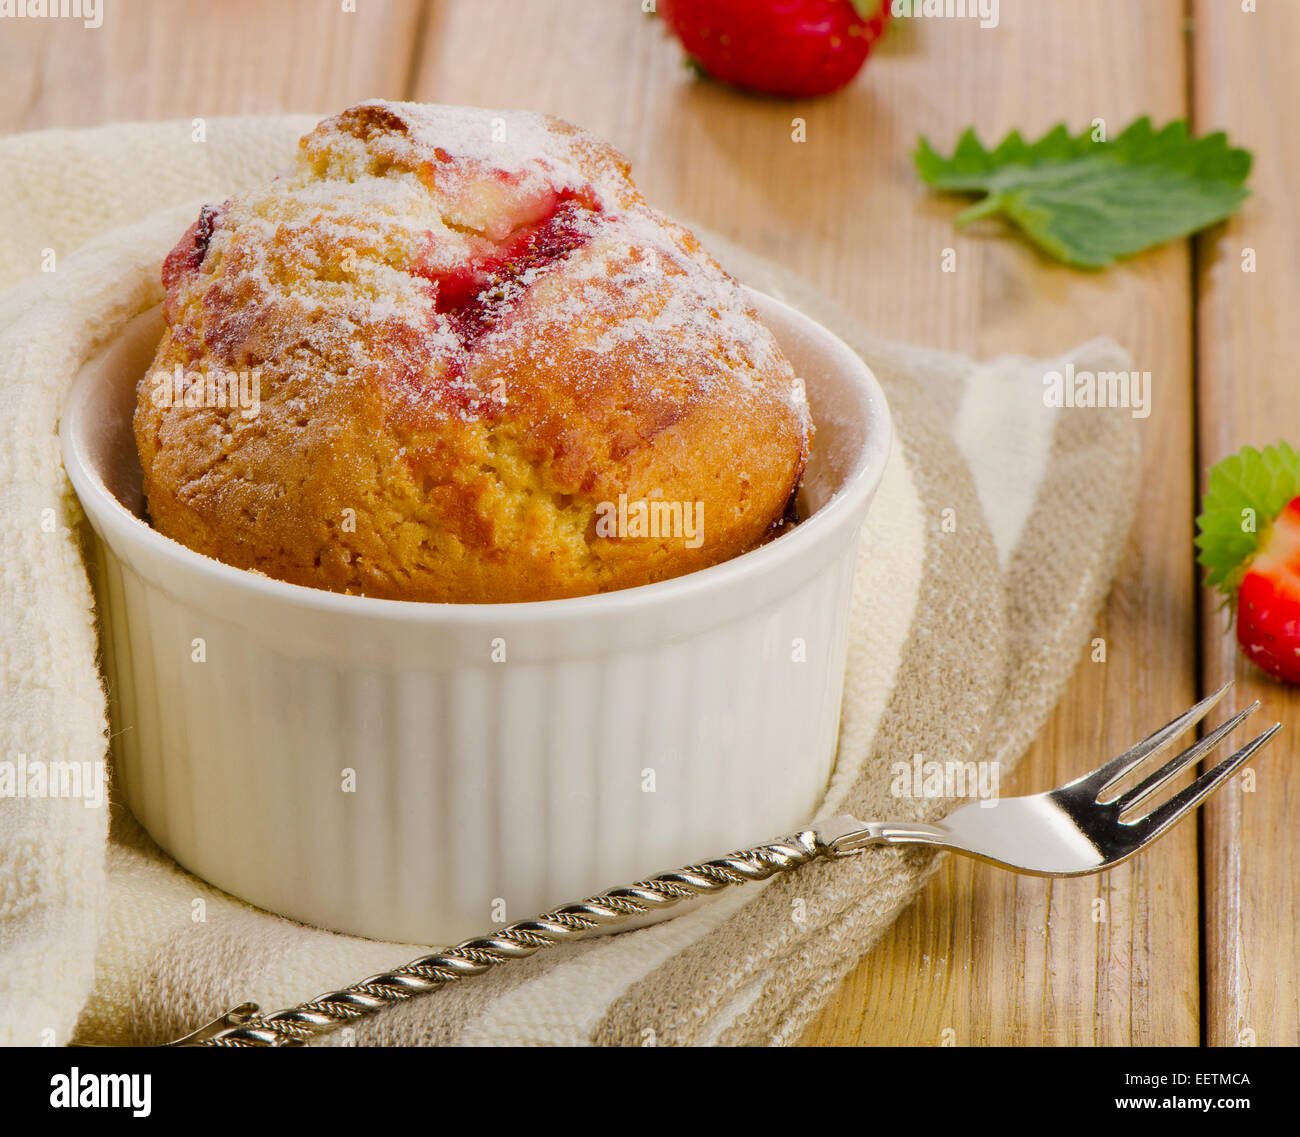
421	772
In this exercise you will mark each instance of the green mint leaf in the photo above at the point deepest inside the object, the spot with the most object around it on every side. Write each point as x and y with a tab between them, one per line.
1244	494
1087	202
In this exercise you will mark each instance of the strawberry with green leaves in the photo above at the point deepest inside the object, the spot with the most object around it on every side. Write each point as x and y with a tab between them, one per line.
1249	541
795	48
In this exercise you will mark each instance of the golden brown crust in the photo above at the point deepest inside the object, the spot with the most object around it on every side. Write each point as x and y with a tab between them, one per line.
472	341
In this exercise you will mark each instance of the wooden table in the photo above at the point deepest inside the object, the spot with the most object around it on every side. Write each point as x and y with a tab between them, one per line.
1200	940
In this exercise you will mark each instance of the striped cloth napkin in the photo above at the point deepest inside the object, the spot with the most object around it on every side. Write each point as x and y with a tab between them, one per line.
986	556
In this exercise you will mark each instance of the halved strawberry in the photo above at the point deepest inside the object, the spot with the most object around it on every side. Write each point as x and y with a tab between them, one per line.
796	48
1250	542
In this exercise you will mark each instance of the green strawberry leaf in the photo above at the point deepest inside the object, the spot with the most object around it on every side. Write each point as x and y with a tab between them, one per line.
866	8
695	67
1088	202
1244	494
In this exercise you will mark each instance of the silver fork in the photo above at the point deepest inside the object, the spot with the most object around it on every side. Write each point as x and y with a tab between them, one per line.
1074	830
1077	828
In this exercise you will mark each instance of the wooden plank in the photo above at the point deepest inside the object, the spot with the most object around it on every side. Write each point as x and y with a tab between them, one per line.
997	958
1246	82
987	956
155	59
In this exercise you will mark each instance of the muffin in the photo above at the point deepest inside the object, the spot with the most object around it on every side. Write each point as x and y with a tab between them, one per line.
453	356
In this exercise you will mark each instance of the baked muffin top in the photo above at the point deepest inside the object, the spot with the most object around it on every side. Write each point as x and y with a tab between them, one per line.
472	343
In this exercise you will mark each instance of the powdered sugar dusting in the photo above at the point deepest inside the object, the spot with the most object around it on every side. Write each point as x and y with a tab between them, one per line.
392	205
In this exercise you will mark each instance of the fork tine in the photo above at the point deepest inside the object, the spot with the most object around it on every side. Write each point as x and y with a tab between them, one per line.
1183	802
1174	766
1106	776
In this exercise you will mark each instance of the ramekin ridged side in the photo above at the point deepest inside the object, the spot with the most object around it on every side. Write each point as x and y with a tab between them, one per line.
420	772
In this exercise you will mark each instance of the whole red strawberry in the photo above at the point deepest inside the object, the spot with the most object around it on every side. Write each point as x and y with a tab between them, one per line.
797	48
1250	542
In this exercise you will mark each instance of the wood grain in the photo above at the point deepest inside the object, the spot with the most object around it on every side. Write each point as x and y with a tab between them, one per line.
1248	346
155	59
994	957
991	957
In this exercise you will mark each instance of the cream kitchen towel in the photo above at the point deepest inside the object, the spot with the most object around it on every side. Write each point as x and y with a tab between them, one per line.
986	556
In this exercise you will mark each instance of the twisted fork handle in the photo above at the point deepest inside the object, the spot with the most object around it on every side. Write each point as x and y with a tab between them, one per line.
246	1025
